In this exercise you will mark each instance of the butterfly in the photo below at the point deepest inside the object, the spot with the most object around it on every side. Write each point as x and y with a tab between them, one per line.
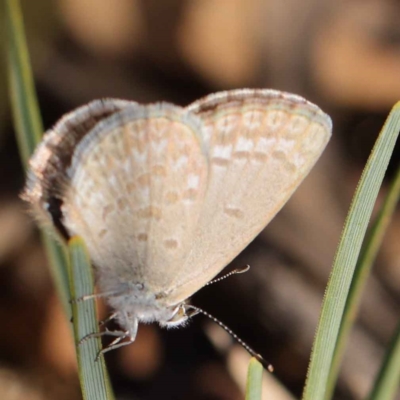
166	196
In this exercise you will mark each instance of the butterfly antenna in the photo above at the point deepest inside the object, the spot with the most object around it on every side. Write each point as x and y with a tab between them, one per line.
259	357
236	271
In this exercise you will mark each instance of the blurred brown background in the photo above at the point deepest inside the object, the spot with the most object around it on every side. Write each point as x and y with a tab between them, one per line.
343	55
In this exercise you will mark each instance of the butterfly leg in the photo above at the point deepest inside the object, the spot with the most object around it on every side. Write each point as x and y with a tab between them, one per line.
104	333
115	344
94	296
108	319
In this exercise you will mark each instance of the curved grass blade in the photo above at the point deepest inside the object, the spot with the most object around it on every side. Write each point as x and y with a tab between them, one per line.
387	383
95	383
28	125
346	258
367	257
254	380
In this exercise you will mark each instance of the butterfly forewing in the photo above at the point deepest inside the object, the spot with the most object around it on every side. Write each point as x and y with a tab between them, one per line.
137	186
260	145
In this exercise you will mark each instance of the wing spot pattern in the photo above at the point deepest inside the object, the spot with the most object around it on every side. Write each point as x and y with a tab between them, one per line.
190	194
159	171
241	155
260	156
102	233
107	210
130	187
220	162
149	212
234	212
171	244
122	203
142	237
171	197
144	180
279	155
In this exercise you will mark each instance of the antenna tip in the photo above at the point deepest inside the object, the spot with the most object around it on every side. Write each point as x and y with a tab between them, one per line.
243	269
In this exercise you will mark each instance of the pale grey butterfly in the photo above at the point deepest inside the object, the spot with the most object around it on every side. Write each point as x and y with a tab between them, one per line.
165	197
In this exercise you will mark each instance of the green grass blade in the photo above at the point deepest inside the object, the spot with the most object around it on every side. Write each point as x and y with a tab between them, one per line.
367	257
26	114
95	383
57	256
254	380
28	124
387	383
346	259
